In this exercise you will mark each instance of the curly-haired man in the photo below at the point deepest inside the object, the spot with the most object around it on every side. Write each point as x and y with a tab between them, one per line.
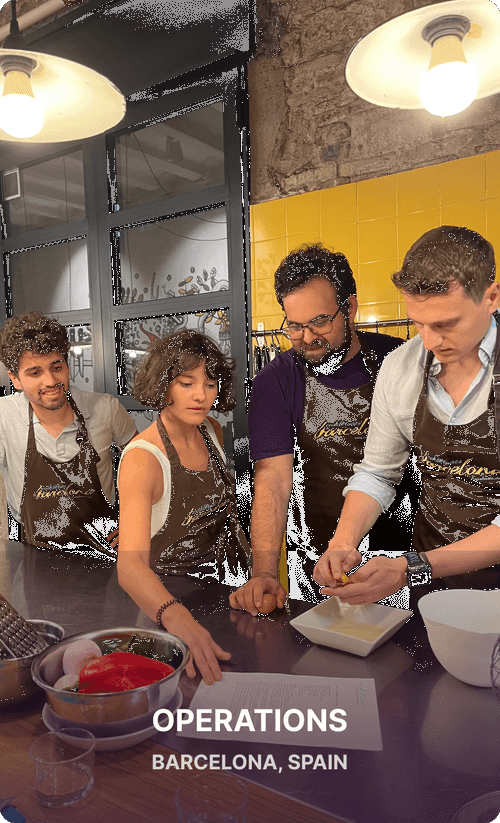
55	442
312	401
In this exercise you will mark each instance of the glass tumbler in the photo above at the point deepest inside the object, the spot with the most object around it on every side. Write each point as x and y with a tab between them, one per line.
483	809
63	766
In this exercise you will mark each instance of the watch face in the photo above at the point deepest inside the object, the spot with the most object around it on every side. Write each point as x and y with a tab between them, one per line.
419	573
421	577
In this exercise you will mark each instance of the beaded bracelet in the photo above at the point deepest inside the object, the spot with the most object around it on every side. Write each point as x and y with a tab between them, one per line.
162	609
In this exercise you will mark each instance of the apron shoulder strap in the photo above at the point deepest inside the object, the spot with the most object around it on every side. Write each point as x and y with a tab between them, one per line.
82	435
496	389
31	444
207	428
171	452
369	355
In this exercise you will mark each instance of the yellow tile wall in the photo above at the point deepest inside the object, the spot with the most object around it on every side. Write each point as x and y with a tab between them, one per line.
373	223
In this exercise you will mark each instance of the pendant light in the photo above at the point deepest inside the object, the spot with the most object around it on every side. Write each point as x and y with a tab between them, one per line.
440	57
450	84
47	99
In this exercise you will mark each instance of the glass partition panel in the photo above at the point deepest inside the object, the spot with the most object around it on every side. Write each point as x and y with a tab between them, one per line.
143	419
174	157
50	193
50	279
81	366
172	258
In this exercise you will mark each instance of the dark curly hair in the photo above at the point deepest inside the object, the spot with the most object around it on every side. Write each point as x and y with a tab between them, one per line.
314	261
444	255
170	356
31	332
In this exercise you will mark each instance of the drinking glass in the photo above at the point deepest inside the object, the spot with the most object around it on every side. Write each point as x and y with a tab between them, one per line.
63	765
483	809
213	797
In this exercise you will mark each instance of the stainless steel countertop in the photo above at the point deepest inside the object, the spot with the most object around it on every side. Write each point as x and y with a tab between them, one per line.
440	736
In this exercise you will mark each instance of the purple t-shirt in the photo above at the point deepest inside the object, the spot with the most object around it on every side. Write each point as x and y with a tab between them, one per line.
278	395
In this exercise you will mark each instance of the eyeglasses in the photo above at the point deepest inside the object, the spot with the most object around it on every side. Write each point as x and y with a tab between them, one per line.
318	325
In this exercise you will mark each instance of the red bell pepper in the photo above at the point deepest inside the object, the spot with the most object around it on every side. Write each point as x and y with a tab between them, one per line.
121	671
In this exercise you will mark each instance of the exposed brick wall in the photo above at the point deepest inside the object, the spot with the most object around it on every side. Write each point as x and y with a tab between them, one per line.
309	131
24	6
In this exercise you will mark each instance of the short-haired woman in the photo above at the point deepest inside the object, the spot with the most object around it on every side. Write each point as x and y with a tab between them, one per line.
177	506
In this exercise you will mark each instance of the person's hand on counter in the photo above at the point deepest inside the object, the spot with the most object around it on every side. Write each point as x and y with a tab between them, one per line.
378	578
338	559
262	594
112	538
204	650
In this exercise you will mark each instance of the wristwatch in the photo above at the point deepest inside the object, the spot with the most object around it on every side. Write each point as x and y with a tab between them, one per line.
419	571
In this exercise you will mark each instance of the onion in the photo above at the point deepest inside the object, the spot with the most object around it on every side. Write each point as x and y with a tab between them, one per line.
79	653
67	681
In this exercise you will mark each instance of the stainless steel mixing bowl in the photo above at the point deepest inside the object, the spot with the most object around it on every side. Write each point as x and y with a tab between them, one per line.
118	712
15	673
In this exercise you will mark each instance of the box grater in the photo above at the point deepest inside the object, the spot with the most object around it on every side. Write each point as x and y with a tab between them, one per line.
17	637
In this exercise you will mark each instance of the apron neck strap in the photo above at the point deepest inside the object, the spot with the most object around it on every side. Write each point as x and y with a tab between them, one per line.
495	383
82	429
81	435
496	389
31	447
369	356
172	455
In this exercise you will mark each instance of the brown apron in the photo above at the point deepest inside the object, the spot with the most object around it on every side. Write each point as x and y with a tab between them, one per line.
60	498
461	484
331	441
202	535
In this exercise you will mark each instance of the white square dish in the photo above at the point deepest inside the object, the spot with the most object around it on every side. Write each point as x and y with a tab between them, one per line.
329	622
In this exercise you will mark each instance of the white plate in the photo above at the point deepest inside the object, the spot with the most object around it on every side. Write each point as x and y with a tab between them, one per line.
121	741
377	622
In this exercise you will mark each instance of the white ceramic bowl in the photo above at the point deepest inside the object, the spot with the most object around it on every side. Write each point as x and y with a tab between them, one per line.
376	623
463	626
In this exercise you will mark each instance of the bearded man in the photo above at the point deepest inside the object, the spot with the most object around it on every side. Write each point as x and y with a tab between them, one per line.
308	420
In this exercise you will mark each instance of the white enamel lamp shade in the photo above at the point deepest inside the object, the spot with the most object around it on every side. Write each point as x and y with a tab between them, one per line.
77	102
387	66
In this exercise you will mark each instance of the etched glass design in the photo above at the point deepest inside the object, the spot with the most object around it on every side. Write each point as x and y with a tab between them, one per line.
172	258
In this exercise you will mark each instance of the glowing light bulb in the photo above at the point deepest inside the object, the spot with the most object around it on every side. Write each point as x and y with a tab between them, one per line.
21	115
450	85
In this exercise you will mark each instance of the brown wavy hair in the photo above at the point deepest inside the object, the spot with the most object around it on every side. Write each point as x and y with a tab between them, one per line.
34	333
447	255
170	356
